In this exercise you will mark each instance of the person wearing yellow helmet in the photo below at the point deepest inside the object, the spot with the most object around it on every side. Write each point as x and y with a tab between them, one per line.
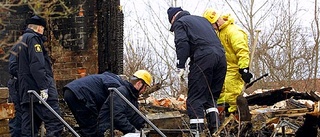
235	42
125	118
88	100
144	75
86	95
212	15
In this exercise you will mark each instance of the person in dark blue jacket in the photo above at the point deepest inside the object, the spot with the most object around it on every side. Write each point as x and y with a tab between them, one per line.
125	119
14	123
196	39
35	73
85	97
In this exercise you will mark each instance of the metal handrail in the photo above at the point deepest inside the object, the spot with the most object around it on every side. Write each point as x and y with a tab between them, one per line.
114	90
50	108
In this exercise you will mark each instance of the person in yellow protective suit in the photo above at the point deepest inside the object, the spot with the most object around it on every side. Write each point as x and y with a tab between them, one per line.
235	43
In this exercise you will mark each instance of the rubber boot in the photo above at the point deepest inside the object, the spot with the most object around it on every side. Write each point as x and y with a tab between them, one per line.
213	122
201	134
197	129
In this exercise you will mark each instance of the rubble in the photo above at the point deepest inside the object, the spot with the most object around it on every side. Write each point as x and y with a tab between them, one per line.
276	112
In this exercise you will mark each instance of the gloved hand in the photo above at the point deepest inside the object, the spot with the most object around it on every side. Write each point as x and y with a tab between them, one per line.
181	72
245	75
44	94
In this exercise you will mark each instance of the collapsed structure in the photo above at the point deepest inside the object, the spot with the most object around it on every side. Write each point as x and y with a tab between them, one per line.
274	112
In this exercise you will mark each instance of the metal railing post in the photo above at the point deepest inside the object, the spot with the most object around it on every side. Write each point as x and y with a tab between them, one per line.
136	110
54	112
111	113
32	115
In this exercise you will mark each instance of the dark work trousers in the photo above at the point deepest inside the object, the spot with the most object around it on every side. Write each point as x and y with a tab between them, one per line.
14	123
205	83
84	116
52	124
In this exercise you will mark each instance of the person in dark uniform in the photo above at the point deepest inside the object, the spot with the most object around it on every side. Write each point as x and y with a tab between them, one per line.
14	123
85	97
125	119
35	73
195	38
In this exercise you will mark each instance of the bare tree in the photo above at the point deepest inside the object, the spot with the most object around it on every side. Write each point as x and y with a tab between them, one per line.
6	40
284	49
316	36
48	8
147	46
44	8
252	16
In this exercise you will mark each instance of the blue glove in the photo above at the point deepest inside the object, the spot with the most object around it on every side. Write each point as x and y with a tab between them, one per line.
245	75
44	94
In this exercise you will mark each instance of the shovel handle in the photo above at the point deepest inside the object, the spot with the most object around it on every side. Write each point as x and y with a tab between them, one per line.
254	81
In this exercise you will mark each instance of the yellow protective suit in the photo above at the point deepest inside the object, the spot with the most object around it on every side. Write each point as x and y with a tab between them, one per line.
235	43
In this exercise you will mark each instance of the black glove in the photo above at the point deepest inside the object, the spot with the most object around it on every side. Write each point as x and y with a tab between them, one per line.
245	75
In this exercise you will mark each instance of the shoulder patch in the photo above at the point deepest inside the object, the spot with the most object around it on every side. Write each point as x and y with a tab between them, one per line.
37	48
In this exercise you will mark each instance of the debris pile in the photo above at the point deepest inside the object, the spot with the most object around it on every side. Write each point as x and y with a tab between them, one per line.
277	112
178	103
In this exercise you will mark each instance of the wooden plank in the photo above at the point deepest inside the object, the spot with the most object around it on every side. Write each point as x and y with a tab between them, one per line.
6	135
291	115
4	130
4	127
223	125
6	110
4	122
4	92
291	111
167	120
3	100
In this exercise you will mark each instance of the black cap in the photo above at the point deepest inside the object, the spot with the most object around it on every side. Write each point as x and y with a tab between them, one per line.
37	20
172	11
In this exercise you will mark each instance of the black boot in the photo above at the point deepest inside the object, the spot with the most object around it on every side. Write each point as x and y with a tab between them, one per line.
196	129
213	122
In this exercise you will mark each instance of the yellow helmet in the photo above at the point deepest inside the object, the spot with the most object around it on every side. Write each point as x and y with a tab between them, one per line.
211	15
144	75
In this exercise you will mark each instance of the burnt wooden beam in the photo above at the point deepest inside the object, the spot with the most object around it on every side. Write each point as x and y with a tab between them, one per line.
273	96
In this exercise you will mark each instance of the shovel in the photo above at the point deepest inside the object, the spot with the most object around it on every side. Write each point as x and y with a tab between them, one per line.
242	103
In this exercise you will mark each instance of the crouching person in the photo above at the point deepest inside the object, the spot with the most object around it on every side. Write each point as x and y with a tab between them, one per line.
125	119
85	97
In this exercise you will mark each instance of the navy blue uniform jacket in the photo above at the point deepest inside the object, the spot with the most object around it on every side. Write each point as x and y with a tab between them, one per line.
93	89
193	38
125	118
34	67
